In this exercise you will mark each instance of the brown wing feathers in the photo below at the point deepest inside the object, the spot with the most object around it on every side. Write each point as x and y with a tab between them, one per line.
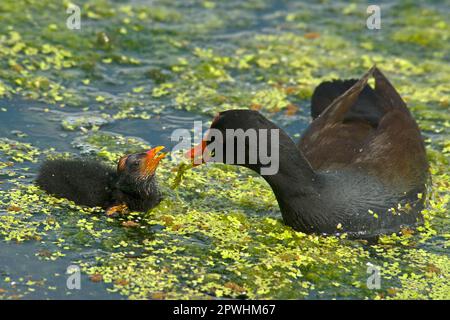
382	139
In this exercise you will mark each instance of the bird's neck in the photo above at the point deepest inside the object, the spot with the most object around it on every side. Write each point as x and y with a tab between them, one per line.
296	187
295	176
137	187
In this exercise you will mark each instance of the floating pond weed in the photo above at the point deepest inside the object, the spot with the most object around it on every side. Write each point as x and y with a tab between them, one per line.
218	232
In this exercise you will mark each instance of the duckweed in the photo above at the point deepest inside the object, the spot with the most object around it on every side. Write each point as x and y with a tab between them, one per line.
219	232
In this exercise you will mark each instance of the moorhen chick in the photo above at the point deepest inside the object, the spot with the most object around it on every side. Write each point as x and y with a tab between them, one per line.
131	187
360	168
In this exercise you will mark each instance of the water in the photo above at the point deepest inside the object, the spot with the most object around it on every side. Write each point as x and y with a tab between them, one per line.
263	54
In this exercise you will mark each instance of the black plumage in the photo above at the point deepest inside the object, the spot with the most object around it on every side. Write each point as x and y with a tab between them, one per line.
359	168
85	182
132	186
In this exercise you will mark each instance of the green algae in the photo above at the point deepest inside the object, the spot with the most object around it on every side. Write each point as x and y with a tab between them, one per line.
17	151
84	121
219	232
220	235
108	145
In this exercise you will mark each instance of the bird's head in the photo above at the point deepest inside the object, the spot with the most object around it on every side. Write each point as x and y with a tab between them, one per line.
236	137
141	165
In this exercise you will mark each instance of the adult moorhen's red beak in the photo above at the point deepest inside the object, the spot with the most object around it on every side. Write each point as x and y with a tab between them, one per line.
196	154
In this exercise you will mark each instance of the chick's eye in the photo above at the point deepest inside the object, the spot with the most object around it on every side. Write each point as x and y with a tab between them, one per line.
134	164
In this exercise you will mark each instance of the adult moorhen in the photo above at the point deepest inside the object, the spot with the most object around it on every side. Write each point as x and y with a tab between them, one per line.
360	168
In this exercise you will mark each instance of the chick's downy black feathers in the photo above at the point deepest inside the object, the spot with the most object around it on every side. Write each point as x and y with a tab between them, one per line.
132	186
86	182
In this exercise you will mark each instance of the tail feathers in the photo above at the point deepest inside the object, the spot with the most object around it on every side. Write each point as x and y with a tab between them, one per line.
386	91
326	92
86	182
360	103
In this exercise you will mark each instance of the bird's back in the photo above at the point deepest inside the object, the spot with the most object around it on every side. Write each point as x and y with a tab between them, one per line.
370	130
370	151
86	182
